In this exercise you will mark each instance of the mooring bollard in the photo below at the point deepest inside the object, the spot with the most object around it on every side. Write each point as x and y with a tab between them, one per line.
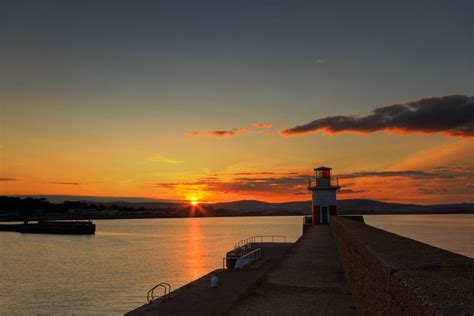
214	281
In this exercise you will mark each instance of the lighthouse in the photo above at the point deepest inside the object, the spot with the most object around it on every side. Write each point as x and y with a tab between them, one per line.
324	195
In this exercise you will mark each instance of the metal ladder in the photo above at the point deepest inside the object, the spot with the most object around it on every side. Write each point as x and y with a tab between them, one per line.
150	297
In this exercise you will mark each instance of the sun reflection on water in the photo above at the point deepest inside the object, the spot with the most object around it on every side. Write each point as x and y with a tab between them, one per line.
194	260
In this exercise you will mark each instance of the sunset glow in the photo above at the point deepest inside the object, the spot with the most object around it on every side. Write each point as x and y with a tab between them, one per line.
206	157
210	115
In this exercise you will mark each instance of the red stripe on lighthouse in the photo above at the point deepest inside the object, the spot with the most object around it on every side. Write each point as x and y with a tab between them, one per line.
316	218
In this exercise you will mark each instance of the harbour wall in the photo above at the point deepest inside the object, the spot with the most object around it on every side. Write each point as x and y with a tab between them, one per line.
392	275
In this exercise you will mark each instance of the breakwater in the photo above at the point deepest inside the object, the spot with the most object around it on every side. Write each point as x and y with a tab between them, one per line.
304	279
392	275
51	227
345	268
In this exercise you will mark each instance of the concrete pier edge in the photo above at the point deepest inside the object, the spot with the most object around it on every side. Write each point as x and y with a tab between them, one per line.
391	274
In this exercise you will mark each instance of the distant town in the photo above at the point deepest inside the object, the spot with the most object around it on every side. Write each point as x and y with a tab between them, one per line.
38	208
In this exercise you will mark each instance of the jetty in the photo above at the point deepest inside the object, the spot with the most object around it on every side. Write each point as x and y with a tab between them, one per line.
52	227
300	278
344	268
199	297
308	280
339	266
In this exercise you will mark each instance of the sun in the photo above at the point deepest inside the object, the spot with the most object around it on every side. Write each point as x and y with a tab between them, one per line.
194	203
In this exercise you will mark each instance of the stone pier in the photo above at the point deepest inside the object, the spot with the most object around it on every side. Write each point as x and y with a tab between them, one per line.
308	281
345	268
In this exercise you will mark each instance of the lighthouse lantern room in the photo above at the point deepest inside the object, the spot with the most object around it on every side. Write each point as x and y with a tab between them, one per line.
323	195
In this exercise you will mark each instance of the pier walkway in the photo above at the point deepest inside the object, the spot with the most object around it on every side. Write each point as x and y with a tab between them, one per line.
199	298
308	281
305	279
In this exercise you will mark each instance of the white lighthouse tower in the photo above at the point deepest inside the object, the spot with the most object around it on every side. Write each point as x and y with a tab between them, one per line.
324	195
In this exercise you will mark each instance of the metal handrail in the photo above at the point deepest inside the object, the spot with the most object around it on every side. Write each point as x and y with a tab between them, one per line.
261	238
254	255
150	297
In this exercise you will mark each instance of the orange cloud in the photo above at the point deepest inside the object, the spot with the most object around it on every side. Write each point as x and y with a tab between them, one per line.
262	125
441	185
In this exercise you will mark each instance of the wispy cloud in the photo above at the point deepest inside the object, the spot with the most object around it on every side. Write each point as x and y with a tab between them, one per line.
262	125
350	191
321	60
437	173
162	159
8	179
221	133
451	115
457	153
263	128
66	183
245	183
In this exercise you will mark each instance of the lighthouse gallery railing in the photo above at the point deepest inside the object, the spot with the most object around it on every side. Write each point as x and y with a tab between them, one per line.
323	182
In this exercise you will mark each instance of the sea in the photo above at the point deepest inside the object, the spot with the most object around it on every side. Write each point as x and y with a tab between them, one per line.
109	273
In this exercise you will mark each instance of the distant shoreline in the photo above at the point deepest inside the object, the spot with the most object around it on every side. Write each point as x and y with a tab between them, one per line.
250	214
18	209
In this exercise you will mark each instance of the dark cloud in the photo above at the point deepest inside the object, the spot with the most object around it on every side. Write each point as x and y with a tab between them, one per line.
8	179
349	191
221	133
450	190
452	115
438	173
433	191
261	128
253	173
293	183
285	184
406	173
66	183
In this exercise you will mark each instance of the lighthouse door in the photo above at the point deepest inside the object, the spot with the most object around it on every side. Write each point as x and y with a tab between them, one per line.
324	217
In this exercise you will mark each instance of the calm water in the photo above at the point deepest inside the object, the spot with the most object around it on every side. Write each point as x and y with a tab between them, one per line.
451	232
110	273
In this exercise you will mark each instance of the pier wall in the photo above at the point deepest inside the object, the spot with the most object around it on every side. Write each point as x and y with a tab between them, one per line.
392	275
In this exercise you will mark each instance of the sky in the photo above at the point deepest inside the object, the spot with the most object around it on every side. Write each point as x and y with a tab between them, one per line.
229	100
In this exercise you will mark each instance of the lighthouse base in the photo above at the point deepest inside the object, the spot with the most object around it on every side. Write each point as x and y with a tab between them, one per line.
322	214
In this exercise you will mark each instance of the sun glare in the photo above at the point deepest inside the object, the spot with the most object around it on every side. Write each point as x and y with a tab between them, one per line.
194	203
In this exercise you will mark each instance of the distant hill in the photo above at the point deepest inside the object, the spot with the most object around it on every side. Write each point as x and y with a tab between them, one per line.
254	207
97	199
350	206
363	206
15	208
